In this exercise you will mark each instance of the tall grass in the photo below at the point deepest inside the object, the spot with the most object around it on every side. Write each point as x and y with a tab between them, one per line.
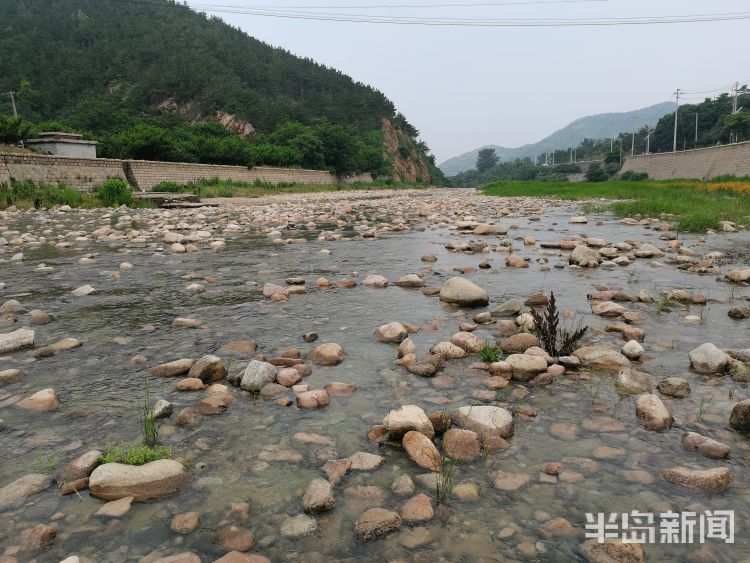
150	429
697	206
25	194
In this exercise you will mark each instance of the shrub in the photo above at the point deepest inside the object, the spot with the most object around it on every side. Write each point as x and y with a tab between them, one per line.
490	354
114	192
555	339
135	454
633	176
596	173
612	168
171	187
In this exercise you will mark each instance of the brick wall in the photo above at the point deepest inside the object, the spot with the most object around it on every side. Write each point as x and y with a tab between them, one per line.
84	173
700	163
81	173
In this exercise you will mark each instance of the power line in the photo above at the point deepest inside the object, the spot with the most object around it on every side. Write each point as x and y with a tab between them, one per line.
405	6
465	22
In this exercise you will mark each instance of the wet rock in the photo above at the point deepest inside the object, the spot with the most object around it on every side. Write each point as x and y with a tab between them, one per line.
600	358
375	281
705	445
653	412
708	359
739	419
422	369
463	445
391	333
213	405
376	522
256	375
516	261
172	369
632	350
406	347
188	417
407	418
80	467
364	461
429	258
316	399
739	312
421	450
486	229
463	292
208	369
608	309
288	377
83	291
418	509
157	479
448	350
310	336
519	343
15	493
318	496
234	538
115	508
467	341
36	538
509	308
632	382
16	340
525	367
185	523
411	280
335	469
59	346
298	526
45	400
329	354
402	486
190	384
713	480
739	371
612	551
184	322
674	387
507	481
441	422
738	276
585	257
486	421
9	376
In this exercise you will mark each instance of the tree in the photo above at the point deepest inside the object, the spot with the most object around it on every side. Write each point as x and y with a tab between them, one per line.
486	159
13	129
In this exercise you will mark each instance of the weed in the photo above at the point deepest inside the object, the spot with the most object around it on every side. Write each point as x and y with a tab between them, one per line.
150	429
662	303
704	313
135	454
634	275
47	463
445	479
491	354
114	192
557	340
500	394
704	406
594	388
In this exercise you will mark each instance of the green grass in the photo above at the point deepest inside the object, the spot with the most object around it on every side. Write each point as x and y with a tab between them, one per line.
25	194
227	188
694	207
135	454
490	354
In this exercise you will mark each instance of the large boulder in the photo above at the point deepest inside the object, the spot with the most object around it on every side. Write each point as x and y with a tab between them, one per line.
612	551
158	479
525	366
487	421
421	450
15	493
712	480
740	417
470	342
407	418
208	369
655	415
519	343
708	359
462	292
45	400
585	256
171	369
257	375
328	354
16	340
391	333
601	358
448	350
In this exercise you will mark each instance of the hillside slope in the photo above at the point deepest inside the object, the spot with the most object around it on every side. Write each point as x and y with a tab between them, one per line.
591	127
106	66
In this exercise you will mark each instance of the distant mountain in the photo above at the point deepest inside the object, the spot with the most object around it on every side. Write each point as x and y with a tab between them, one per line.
592	127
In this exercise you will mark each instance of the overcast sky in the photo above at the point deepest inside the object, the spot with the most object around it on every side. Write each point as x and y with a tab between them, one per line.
466	87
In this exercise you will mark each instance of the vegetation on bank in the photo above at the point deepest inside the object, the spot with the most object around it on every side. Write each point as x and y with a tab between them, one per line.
227	188
25	194
135	454
695	206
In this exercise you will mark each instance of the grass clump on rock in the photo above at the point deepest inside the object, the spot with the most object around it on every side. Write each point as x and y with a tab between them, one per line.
490	354
135	454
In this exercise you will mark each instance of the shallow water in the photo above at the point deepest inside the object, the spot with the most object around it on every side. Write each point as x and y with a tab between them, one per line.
99	390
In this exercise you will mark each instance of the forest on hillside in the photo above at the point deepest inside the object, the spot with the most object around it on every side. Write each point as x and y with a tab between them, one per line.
151	80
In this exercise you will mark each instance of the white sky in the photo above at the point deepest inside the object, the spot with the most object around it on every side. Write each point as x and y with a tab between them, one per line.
467	87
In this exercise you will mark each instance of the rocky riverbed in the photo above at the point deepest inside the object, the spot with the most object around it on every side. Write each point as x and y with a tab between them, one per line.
315	361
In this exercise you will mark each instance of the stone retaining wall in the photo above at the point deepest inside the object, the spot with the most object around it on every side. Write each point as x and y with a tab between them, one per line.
699	163
84	173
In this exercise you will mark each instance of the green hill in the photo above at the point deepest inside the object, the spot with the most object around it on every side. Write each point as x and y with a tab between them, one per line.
155	79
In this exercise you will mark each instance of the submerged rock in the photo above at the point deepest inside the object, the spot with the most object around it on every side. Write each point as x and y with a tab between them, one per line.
487	421
715	479
15	493
328	354
602	358
376	522
708	359
463	292
653	412
16	340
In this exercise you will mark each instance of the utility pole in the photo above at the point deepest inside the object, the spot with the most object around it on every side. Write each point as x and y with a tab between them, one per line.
12	96
676	110
736	93
648	142
632	144
696	129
